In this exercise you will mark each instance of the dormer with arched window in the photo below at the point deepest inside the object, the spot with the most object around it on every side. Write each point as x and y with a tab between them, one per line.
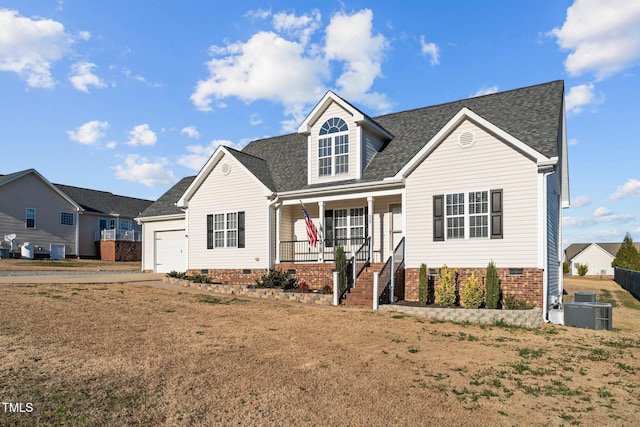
341	141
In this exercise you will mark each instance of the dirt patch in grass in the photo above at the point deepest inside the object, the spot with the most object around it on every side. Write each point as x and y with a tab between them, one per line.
133	354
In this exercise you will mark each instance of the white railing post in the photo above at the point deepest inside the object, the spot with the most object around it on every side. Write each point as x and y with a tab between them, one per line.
392	273
336	289
376	284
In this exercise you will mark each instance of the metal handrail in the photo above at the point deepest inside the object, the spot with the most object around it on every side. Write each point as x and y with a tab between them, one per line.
358	256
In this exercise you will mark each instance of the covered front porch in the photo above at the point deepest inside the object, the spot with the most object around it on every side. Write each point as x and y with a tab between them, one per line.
357	223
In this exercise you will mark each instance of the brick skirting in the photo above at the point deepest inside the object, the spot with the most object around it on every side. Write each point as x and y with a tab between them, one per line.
525	286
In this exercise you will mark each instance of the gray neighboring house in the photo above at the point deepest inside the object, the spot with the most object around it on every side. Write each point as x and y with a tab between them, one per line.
461	183
598	256
163	225
46	214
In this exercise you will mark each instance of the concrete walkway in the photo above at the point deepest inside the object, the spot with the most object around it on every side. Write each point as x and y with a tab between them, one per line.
87	277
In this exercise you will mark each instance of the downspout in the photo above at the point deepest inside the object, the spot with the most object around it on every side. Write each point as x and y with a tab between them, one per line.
78	233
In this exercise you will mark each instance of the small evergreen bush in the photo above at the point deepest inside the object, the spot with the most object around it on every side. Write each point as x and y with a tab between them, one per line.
565	268
582	269
422	286
493	287
627	256
176	274
341	261
510	302
446	289
277	279
198	278
472	295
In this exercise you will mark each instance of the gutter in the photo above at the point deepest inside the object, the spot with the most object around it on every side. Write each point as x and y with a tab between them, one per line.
375	185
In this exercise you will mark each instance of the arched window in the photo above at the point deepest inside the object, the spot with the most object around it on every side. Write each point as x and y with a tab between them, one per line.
333	148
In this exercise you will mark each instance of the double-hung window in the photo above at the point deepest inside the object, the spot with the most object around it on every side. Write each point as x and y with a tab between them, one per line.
333	148
30	218
225	230
345	226
467	215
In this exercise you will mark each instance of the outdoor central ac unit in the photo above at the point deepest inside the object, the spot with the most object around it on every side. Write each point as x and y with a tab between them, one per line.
584	297
590	315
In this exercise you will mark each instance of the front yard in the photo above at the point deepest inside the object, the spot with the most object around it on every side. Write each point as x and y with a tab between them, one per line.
133	354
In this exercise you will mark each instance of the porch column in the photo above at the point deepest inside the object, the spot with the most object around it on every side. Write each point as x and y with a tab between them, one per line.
370	225
321	240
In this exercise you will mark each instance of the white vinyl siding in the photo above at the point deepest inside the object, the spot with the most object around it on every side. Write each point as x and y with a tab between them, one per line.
486	165
370	147
334	110
598	260
236	191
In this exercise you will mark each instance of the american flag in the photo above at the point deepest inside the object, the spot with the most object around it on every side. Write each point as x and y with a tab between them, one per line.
312	231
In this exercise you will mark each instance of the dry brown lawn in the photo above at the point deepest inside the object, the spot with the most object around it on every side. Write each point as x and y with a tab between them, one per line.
140	355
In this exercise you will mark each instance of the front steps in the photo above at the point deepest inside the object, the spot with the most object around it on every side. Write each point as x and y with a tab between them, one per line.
361	296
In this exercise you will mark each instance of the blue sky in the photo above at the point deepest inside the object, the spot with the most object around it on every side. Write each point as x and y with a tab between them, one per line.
131	96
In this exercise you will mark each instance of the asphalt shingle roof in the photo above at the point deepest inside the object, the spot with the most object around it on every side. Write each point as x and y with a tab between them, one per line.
532	114
166	204
104	202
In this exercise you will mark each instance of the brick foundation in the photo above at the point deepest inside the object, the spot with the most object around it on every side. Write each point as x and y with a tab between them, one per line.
317	275
527	286
230	276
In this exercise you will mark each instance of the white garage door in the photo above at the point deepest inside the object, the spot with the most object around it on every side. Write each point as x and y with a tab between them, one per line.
171	254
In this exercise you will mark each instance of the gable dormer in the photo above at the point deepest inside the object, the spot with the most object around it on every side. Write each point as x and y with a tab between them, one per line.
341	140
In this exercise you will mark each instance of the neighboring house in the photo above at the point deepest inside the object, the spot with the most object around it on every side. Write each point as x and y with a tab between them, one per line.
46	214
598	256
463	183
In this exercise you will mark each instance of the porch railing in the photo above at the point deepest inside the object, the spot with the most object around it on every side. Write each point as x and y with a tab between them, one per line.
302	251
361	259
112	234
386	282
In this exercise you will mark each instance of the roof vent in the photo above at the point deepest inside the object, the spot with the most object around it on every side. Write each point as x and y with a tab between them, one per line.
466	139
225	168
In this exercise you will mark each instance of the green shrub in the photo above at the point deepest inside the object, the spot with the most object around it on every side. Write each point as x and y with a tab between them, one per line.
176	274
198	278
472	295
510	302
422	286
341	261
277	279
582	269
446	289
565	268
493	287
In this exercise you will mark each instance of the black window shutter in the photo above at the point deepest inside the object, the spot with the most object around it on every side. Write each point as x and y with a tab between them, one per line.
438	218
241	229
496	214
209	231
328	228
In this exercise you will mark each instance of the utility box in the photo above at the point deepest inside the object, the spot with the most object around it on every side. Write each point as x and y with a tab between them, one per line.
584	297
590	315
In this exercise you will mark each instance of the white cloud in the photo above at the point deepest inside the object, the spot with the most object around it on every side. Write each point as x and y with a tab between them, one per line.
350	39
84	35
631	188
265	67
300	27
191	132
431	50
258	14
89	133
572	142
142	135
199	154
141	170
602	211
570	221
255	120
290	69
580	201
29	47
579	97
485	91
602	35
82	77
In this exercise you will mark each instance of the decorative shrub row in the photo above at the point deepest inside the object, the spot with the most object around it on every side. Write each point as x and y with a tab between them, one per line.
474	294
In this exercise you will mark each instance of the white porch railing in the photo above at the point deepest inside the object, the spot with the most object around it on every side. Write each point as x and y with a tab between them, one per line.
121	235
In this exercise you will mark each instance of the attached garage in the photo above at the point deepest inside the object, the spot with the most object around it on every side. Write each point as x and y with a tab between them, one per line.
170	251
